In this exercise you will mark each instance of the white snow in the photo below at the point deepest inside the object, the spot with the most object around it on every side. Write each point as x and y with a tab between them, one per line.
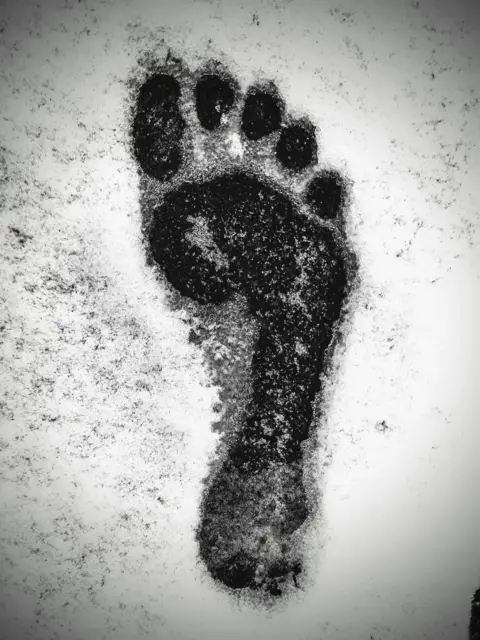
106	407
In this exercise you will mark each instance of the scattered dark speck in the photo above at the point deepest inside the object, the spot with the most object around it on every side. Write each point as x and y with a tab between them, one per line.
21	236
382	426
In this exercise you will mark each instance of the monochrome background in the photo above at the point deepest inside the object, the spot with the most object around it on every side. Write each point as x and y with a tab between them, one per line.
106	407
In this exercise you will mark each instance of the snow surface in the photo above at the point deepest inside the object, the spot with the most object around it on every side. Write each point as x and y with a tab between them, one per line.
106	407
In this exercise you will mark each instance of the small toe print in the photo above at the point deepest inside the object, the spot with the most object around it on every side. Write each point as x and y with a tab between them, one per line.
262	113
214	97
297	146
325	194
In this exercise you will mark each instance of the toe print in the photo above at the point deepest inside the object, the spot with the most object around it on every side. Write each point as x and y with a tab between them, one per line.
326	194
214	98
158	127
297	146
262	113
239	233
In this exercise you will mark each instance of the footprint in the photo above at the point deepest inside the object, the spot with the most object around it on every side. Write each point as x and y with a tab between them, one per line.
220	226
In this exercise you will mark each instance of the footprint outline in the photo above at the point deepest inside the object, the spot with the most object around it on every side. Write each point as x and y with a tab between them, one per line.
158	136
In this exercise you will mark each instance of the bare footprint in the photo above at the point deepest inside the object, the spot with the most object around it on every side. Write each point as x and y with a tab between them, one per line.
220	227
